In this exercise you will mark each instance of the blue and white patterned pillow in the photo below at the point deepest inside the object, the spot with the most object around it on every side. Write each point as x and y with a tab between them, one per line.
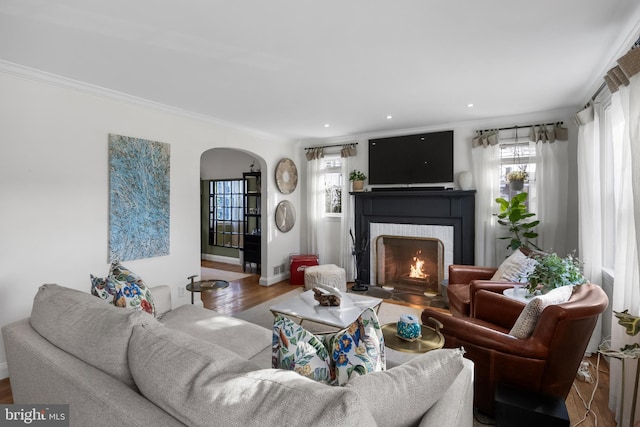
296	349
356	350
359	349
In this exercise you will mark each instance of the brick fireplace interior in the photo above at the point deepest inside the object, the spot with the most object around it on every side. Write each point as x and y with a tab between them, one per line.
410	264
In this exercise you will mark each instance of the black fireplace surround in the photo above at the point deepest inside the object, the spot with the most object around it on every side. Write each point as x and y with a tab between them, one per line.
423	207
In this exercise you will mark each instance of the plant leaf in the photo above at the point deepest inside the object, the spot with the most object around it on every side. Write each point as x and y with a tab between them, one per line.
530	224
515	216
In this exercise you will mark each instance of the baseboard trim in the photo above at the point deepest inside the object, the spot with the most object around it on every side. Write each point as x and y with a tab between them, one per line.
4	370
272	280
220	258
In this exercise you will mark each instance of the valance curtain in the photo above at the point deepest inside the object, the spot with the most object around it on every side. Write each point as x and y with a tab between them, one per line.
624	82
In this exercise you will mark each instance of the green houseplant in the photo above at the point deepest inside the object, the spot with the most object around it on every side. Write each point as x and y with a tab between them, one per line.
515	215
552	272
356	175
357	178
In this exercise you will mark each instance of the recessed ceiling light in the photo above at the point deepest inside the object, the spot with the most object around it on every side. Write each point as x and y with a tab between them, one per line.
326	125
470	105
389	117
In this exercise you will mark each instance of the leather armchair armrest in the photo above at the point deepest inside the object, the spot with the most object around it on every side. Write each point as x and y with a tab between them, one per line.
463	274
495	308
465	331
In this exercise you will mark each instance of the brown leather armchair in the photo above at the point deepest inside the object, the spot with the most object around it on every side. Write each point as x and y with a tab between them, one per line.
458	289
546	362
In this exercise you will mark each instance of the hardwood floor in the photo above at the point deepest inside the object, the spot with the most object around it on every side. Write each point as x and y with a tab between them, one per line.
241	294
5	392
246	293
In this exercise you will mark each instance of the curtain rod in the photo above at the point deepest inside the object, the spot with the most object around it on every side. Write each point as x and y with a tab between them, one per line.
521	127
597	92
334	145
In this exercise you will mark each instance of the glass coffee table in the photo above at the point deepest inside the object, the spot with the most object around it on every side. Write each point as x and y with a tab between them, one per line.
305	307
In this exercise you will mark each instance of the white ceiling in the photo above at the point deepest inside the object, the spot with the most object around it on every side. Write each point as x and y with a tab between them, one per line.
289	67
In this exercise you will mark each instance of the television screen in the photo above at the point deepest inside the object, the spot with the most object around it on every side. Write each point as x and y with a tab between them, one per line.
412	159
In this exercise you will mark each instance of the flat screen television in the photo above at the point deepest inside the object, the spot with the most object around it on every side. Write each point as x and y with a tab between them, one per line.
412	159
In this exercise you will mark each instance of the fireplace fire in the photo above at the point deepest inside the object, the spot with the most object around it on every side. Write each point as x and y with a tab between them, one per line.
411	264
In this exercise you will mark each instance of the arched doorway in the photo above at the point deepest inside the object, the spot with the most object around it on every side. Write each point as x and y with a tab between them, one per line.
229	219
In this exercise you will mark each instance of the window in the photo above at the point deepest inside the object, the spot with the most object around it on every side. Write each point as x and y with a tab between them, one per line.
225	213
331	182
518	156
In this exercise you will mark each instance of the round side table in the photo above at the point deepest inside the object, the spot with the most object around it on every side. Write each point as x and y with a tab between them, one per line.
205	285
431	339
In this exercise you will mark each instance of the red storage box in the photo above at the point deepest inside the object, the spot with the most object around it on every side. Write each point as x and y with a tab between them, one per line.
298	264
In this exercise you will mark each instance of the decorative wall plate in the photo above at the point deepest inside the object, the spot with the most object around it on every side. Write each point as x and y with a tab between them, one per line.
286	176
285	216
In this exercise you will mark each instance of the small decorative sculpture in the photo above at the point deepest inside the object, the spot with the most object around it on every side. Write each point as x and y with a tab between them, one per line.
325	298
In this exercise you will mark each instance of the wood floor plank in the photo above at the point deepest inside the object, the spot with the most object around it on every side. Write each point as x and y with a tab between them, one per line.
5	392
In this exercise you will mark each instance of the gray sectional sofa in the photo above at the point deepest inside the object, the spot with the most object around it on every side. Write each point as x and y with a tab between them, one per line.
196	367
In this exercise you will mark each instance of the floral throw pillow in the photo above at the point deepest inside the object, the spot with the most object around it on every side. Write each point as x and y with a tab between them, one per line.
359	349
123	288
131	291
296	349
102	288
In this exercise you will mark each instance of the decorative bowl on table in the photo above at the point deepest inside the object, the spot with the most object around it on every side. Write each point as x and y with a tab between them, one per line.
409	327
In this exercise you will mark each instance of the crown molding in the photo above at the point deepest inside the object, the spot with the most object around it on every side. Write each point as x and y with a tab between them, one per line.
43	77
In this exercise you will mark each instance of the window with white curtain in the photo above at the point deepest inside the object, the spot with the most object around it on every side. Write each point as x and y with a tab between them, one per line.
516	156
331	184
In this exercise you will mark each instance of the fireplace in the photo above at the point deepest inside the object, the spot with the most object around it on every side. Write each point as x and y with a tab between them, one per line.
447	215
411	264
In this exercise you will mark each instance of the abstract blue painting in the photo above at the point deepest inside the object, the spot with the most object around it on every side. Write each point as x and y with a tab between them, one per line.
139	205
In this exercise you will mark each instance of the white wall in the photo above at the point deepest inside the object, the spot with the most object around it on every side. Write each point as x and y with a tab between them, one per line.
462	134
225	163
54	187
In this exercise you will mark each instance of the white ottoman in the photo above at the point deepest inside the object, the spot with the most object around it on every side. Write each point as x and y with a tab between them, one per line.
327	274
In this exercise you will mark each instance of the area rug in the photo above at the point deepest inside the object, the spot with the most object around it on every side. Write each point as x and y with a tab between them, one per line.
388	313
215	274
405	296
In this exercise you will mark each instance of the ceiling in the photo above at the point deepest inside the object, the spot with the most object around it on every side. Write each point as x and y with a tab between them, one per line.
288	68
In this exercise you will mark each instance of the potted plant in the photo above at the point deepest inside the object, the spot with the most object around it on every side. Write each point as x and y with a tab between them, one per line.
515	215
552	272
516	179
357	178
